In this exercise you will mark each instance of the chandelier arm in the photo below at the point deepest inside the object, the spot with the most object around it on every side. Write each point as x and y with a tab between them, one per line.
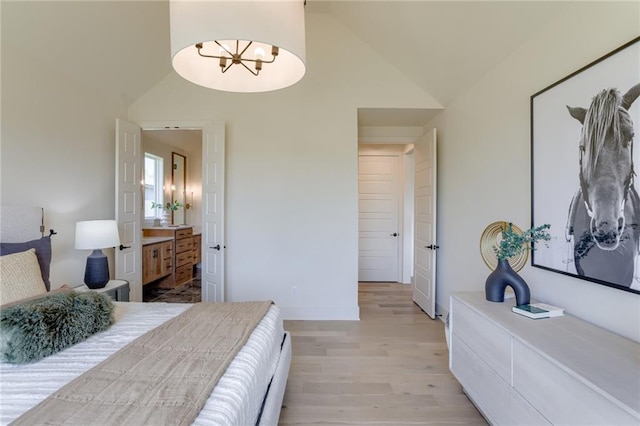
255	60
199	48
245	49
213	56
273	59
223	48
225	69
249	69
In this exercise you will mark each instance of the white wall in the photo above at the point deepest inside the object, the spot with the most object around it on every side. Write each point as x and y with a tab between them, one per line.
291	170
484	161
58	152
292	163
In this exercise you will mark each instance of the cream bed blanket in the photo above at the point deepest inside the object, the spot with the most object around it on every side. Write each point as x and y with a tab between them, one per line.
163	377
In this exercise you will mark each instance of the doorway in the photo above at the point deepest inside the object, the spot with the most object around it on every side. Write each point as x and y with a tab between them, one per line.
178	185
129	208
385	213
397	216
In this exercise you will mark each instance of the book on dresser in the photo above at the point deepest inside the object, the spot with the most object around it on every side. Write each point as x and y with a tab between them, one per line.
538	310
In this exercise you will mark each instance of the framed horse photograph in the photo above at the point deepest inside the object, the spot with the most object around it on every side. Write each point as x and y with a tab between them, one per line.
583	159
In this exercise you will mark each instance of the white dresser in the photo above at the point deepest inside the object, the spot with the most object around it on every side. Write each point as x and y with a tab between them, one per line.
562	371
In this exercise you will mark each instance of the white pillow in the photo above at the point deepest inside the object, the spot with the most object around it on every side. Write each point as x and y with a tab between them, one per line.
20	276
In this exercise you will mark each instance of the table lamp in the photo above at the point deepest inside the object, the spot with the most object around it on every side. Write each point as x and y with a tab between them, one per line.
96	235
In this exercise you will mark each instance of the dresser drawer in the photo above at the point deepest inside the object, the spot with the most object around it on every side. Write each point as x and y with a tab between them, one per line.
535	376
495	397
489	342
184	233
184	245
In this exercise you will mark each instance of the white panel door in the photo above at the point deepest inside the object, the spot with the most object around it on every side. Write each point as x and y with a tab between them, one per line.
424	267
213	246
378	206
129	207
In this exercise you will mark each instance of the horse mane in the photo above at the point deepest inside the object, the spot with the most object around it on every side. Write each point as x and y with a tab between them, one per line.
601	116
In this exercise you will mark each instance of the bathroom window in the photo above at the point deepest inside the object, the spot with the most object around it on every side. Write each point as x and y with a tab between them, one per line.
153	190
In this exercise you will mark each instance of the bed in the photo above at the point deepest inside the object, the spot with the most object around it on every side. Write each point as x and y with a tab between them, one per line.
248	392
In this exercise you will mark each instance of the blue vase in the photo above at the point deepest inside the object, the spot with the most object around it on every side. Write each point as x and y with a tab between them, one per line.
502	277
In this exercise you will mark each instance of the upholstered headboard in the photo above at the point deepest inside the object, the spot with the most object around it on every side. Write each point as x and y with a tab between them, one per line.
22	229
20	223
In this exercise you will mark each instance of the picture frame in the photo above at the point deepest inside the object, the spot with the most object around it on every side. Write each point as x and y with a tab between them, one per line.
582	177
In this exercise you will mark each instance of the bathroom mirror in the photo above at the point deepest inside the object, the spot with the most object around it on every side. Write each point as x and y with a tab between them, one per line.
178	188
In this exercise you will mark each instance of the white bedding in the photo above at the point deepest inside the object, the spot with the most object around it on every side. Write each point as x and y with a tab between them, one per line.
236	399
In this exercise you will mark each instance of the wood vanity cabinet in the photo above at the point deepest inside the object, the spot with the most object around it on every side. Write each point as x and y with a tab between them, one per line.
181	255
197	249
157	261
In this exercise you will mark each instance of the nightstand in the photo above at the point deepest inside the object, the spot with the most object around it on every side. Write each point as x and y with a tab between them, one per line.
117	289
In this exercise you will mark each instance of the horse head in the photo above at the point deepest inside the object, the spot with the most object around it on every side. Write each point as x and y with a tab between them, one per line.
606	162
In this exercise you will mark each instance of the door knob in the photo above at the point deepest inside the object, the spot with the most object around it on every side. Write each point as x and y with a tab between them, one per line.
395	234
123	247
432	247
216	247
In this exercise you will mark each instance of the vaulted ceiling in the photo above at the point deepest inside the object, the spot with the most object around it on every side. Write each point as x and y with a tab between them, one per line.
123	47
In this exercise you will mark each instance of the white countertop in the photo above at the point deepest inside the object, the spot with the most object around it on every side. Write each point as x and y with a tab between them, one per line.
152	240
173	227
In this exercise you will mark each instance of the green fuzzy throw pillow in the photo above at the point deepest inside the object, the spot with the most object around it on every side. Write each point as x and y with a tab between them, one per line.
37	328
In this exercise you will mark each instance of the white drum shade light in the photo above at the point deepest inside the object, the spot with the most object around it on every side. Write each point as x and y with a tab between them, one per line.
96	235
238	46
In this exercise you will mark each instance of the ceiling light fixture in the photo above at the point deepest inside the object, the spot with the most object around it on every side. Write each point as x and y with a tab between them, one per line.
223	44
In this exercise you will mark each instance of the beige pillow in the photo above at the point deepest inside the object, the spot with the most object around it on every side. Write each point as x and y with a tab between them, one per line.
20	277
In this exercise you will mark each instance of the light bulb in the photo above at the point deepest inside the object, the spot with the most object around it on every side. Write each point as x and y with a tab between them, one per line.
259	52
224	50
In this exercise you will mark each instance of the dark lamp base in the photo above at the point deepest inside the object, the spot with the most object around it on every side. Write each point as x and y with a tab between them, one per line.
96	274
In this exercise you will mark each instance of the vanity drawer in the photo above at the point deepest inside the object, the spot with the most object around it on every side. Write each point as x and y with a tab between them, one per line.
167	250
184	245
183	233
184	259
184	273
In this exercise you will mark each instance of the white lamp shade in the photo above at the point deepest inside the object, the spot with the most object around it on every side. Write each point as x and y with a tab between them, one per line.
97	234
265	22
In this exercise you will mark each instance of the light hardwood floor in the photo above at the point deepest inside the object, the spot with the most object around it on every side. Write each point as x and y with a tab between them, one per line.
389	368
